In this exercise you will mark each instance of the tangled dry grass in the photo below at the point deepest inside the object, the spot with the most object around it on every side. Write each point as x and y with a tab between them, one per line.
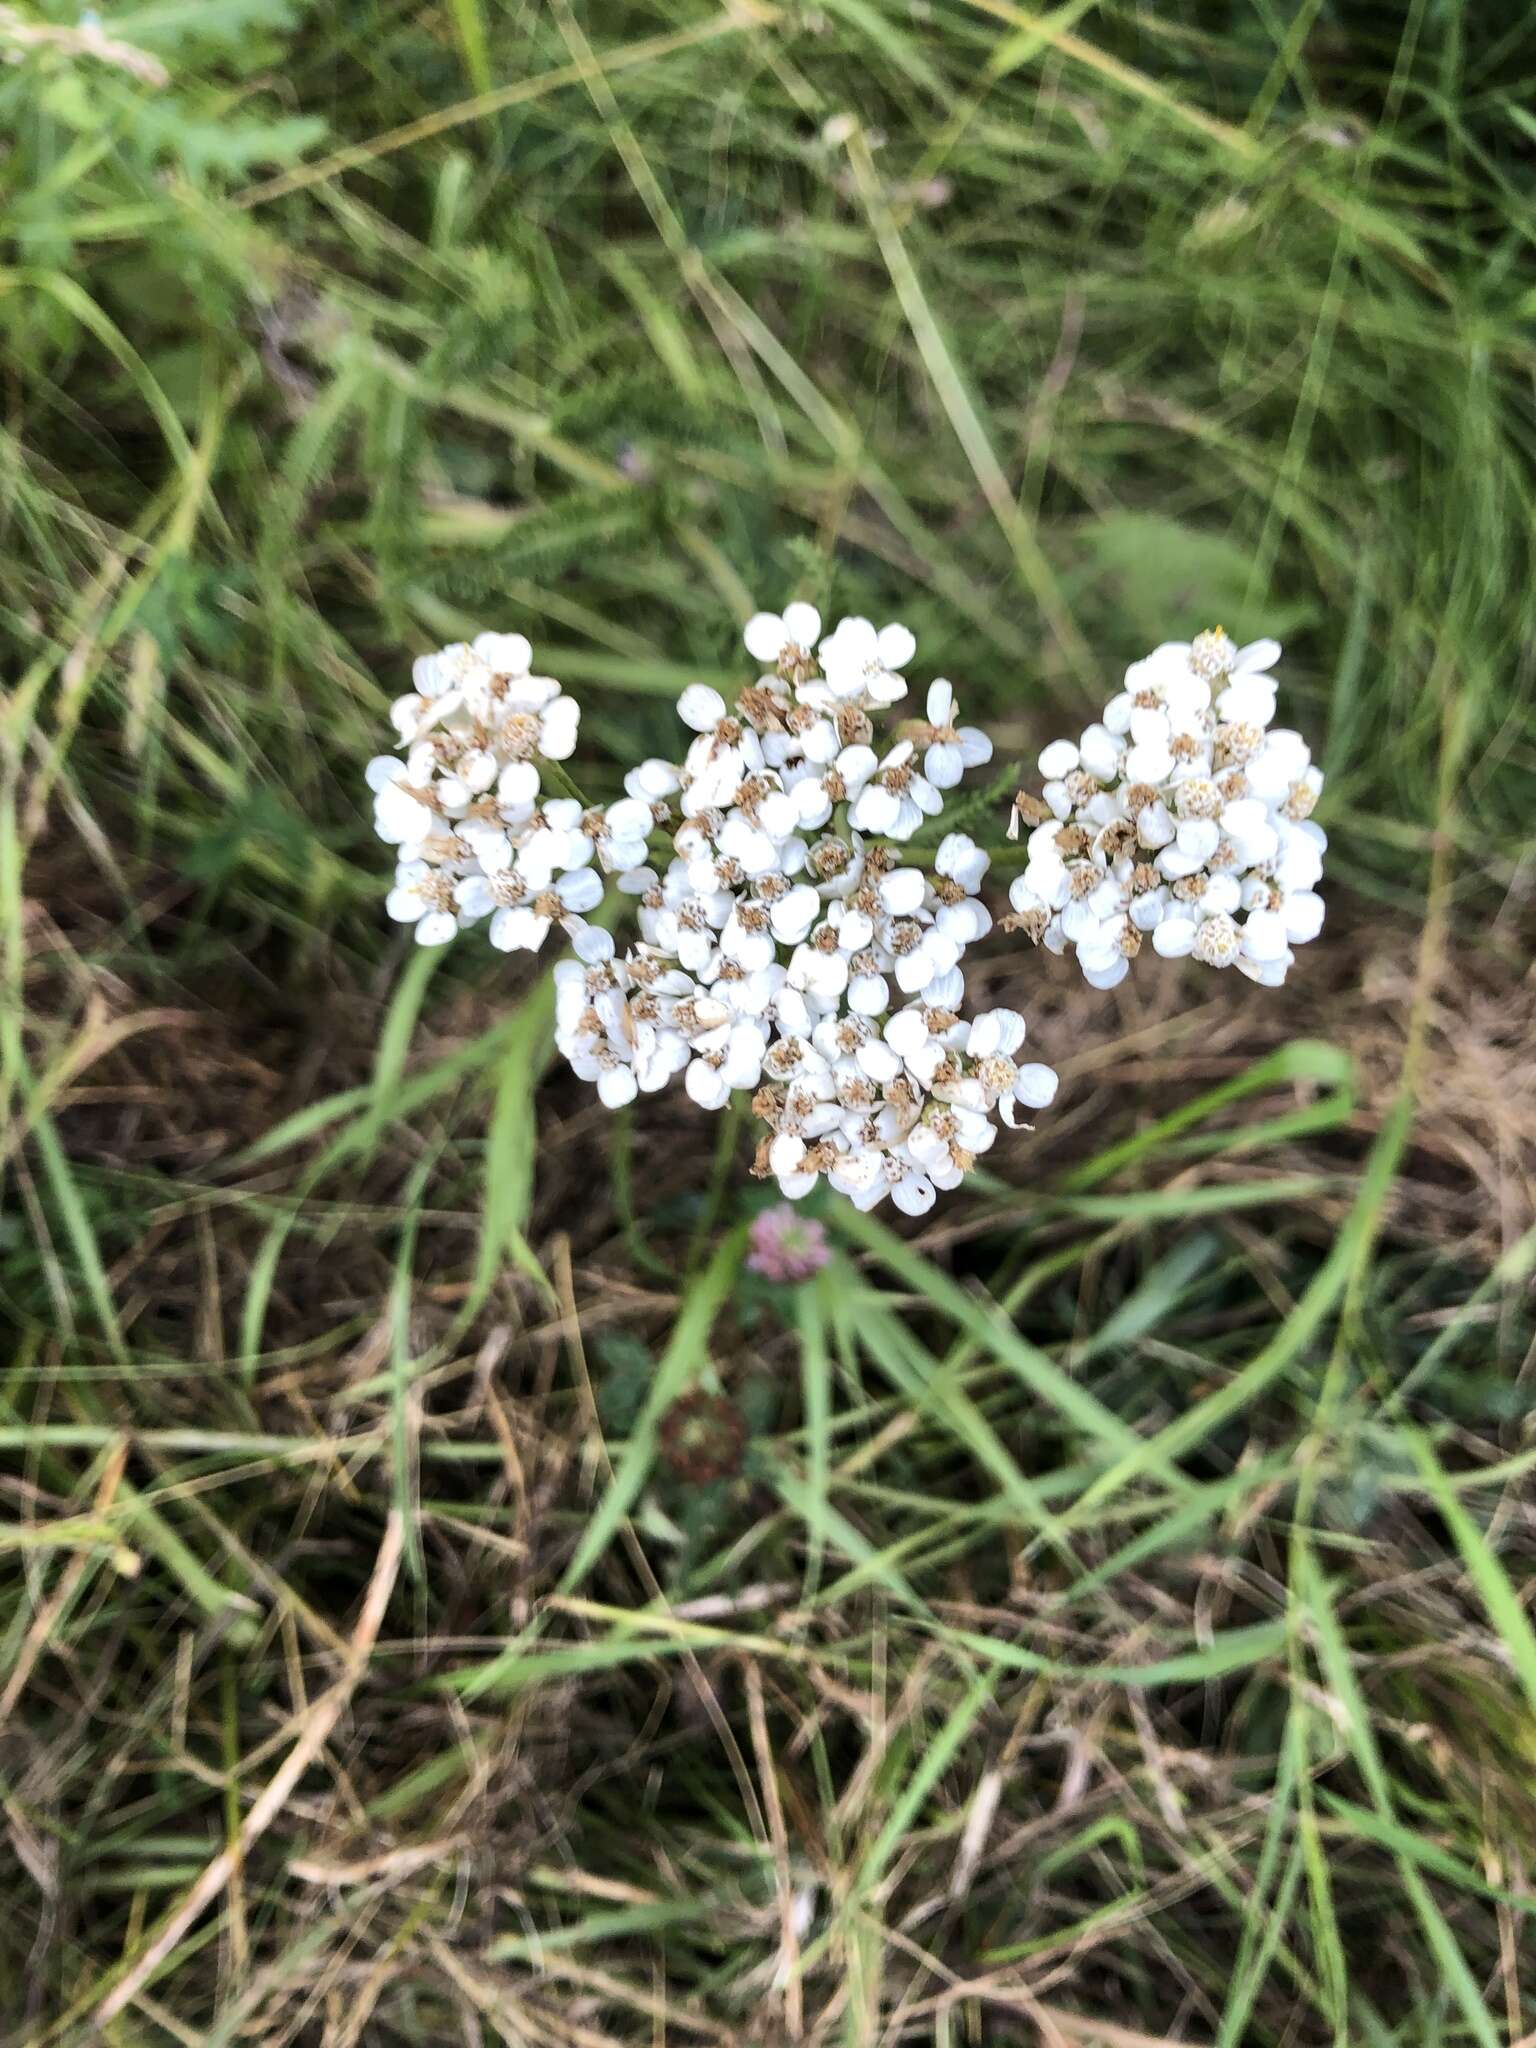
449	1841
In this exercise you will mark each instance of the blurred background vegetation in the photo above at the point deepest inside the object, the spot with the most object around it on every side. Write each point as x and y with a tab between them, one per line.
1115	1629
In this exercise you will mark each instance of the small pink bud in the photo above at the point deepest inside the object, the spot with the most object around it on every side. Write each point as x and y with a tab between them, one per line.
786	1247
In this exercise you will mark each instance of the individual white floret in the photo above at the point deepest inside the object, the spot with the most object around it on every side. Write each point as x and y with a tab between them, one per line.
858	661
423	897
951	748
786	639
897	798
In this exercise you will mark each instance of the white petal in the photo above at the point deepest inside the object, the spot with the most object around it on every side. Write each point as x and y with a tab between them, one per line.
1047	880
854	929
765	636
398	819
653	779
944	764
962	860
518	930
963	923
629	818
581	889
518	785
592	944
1149	762
876	810
1303	914
915	1195
1107	977
1154	827
786	1153
812	804
1249	700
1198	839
706	1085
941	702
1174	937
1264	935
778	814
1100	753
856	1172
405	715
902	891
505	654
802	622
531	693
473	896
879	1061
616	1086
701	707
1058	760
906	1031
1117	712
895	646
1036	1085
557	729
794	914
1256	656
436	928
995	1031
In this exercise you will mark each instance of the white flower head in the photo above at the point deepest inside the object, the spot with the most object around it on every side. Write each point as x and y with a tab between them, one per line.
465	804
1182	814
822	970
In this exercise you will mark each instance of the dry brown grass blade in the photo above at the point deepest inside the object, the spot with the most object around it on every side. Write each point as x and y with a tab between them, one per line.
1102	2033
392	1863
322	1718
773	1807
47	1617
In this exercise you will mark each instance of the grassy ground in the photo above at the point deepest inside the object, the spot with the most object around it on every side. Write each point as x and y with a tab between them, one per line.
1118	1630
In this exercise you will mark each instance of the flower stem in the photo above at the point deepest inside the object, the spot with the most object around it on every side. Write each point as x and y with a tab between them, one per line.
554	774
621	1160
732	1117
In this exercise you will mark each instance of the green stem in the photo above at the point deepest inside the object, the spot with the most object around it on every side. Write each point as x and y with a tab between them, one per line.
732	1117
622	1158
556	778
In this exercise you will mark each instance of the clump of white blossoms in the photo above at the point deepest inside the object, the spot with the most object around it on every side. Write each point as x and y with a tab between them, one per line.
790	951
1183	815
802	912
463	800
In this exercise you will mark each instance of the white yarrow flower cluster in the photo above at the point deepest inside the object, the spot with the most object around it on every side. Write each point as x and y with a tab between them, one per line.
1183	815
463	800
794	949
789	951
